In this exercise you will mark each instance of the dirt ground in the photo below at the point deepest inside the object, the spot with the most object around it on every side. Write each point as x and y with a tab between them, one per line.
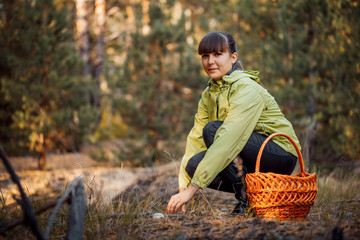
209	217
61	170
145	191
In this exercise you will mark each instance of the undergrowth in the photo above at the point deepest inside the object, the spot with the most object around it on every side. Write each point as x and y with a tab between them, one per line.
130	214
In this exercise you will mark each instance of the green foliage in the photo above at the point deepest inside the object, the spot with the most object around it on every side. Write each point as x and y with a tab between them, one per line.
159	65
44	104
307	53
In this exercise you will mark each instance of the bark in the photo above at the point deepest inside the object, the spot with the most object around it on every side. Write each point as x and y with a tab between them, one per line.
82	32
99	31
76	222
99	58
309	145
9	12
42	160
154	104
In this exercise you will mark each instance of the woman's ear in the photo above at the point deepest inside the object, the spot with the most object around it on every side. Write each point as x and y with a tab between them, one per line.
234	57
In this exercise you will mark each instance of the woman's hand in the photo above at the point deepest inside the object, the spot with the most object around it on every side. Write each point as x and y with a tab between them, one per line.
179	200
183	208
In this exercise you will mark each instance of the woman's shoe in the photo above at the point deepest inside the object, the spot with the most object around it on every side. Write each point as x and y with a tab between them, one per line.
240	195
239	209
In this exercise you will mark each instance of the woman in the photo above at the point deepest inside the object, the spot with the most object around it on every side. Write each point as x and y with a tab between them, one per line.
235	115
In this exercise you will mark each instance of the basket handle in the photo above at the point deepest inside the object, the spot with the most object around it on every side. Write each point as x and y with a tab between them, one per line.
301	161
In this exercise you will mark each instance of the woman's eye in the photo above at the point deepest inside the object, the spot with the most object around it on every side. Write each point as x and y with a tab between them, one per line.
204	56
218	53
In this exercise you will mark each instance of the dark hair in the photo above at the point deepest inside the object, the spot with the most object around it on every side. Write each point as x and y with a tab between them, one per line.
219	42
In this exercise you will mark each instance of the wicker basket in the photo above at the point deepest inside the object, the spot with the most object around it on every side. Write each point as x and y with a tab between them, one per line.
278	196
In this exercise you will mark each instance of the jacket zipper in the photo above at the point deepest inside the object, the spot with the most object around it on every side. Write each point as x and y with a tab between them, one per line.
217	102
217	108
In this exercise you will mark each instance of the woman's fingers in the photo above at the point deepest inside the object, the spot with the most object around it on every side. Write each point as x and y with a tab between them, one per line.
179	200
170	205
177	206
183	208
174	204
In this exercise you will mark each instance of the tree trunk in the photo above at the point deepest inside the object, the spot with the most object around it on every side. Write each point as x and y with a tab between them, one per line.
99	31
8	8
311	105
82	32
42	150
99	58
154	104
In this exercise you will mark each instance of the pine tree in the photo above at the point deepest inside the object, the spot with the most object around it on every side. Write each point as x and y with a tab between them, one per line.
159	65
45	104
307	54
308	51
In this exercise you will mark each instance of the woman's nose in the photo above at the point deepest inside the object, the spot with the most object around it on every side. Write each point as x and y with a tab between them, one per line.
211	59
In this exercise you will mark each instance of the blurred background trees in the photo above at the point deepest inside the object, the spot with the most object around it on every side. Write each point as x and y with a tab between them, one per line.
86	71
44	104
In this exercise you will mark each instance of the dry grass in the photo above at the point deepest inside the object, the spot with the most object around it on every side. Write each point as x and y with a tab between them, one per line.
129	216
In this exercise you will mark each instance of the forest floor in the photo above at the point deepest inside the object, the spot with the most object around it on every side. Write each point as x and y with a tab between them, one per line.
122	203
209	216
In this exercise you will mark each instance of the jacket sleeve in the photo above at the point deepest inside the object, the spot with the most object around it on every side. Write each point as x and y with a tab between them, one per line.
246	106
195	142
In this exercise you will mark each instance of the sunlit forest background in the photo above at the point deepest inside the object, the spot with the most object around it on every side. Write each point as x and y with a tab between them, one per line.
80	72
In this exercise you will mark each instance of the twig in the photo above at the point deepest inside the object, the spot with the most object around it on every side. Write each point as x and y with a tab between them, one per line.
57	203
207	201
39	211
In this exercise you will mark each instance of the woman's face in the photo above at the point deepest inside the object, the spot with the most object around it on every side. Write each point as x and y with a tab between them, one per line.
217	64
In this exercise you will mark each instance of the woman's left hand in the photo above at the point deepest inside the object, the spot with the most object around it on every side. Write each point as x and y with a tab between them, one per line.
178	200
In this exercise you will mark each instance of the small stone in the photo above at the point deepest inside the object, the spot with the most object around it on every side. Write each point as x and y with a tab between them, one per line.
158	215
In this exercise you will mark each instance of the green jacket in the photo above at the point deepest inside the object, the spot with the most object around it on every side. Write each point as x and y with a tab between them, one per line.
244	106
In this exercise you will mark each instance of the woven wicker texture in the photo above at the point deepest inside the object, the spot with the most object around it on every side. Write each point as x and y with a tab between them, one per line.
279	196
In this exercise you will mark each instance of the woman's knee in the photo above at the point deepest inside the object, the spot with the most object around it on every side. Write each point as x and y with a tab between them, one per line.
193	163
209	132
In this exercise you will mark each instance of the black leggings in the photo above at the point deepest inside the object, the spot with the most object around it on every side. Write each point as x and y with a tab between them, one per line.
274	159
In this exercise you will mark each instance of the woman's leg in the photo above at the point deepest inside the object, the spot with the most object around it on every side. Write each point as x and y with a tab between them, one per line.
225	179
209	132
228	180
230	174
274	158
219	183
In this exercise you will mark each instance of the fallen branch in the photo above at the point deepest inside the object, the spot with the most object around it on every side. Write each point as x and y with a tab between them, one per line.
74	193
77	213
29	214
66	195
37	212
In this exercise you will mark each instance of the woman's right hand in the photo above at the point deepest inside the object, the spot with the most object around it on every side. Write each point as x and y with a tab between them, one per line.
183	208
179	200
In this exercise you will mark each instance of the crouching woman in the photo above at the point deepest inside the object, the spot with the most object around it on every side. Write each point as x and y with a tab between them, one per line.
235	115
